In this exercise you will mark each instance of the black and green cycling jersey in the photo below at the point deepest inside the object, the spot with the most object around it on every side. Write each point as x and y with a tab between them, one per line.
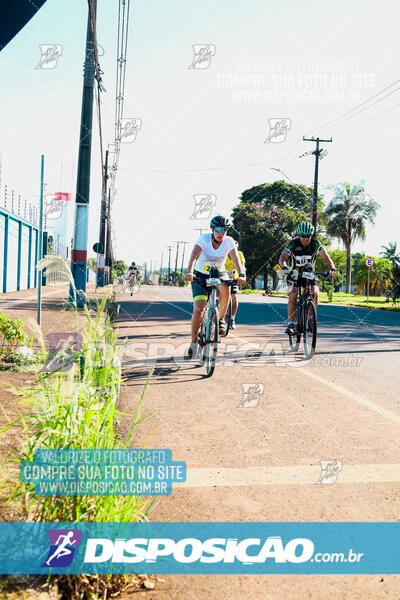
303	255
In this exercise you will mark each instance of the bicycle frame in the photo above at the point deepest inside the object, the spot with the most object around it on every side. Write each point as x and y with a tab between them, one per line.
208	337
304	292
306	312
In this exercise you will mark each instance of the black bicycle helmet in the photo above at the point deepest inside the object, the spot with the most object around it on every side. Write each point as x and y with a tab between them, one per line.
219	221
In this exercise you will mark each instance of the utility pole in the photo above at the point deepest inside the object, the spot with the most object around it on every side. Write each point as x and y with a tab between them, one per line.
183	255
169	262
200	229
108	257
40	234
79	248
317	153
102	232
176	260
160	278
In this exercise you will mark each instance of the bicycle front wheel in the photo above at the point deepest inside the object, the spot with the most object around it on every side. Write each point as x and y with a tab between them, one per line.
211	346
228	317
310	328
201	342
294	341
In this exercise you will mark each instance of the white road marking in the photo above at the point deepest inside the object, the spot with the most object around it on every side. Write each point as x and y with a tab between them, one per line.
289	475
384	412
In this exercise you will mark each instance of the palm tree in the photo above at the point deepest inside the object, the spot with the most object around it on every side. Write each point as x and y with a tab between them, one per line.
347	214
380	276
390	252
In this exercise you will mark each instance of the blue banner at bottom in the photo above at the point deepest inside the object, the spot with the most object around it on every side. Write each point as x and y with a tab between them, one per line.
207	548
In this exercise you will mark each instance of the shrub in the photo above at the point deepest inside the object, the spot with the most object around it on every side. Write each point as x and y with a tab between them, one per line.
11	334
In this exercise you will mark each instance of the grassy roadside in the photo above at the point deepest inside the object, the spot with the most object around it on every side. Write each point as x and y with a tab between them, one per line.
341	299
77	408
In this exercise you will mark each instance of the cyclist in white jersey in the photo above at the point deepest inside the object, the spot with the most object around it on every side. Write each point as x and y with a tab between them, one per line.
211	250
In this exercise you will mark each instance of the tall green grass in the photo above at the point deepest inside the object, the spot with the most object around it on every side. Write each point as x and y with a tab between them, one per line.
77	410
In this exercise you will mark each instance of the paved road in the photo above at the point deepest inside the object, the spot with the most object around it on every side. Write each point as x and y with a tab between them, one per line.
257	458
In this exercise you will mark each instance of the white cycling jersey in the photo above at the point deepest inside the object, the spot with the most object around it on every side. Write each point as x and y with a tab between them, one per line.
210	256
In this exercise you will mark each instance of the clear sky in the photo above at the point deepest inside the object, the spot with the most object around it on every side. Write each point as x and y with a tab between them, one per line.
204	130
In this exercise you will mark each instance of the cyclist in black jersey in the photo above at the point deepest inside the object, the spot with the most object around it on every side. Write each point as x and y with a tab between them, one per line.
303	251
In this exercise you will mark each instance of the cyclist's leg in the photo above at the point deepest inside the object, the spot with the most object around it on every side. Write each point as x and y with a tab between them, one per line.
198	311
315	291
224	292
200	297
292	304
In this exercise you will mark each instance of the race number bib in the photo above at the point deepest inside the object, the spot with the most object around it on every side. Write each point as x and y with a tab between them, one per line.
210	264
301	261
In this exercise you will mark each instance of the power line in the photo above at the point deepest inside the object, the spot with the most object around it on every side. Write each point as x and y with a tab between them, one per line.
122	46
225	168
369	120
362	104
365	108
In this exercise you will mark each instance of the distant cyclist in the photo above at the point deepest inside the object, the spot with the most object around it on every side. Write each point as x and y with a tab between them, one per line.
233	273
303	251
132	270
211	250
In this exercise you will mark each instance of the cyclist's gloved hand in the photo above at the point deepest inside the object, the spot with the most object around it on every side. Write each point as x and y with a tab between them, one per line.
332	272
290	278
190	277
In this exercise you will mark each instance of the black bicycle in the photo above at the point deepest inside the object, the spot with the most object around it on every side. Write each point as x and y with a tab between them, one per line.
208	336
306	310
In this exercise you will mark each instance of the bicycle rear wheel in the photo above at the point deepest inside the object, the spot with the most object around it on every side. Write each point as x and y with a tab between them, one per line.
211	346
310	328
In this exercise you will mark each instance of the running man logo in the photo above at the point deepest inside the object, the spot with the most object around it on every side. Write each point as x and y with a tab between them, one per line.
251	394
63	543
203	54
329	471
129	129
55	204
203	205
50	56
63	347
278	129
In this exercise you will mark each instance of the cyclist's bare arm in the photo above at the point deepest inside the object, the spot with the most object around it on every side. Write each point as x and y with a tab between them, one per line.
282	260
234	256
197	250
325	257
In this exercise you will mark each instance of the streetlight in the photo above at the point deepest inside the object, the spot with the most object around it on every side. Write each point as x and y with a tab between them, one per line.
291	181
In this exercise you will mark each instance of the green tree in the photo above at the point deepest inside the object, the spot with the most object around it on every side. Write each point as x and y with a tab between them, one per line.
346	216
266	218
92	264
395	282
120	267
390	252
339	257
282	194
179	278
264	233
380	276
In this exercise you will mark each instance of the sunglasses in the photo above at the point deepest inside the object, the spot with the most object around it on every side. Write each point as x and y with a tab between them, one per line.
220	229
305	236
